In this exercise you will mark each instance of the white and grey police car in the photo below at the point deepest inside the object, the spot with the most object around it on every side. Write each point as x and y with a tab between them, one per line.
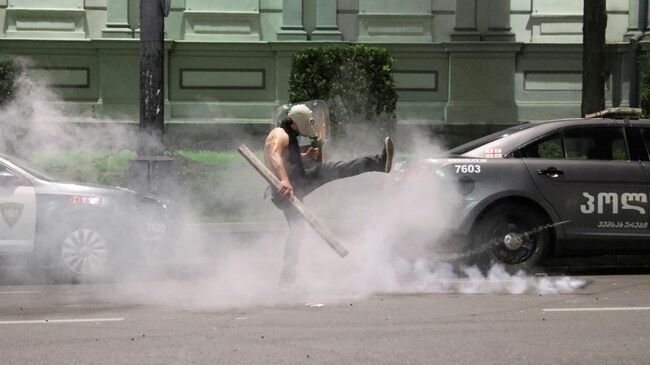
82	231
570	187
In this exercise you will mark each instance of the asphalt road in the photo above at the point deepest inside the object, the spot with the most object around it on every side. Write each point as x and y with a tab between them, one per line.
604	322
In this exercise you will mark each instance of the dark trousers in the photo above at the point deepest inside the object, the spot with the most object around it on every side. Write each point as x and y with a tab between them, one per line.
315	177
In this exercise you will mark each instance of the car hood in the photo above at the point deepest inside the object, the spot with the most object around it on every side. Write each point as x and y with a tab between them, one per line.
104	190
76	188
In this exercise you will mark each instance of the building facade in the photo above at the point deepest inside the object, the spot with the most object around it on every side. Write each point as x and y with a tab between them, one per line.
457	62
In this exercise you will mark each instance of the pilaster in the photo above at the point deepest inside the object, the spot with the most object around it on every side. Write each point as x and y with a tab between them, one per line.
499	22
647	15
466	28
292	28
117	22
326	22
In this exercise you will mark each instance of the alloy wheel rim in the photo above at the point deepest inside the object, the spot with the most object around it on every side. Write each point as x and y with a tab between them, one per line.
513	243
84	252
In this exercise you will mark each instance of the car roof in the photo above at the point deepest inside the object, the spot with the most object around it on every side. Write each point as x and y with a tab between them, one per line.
519	135
591	121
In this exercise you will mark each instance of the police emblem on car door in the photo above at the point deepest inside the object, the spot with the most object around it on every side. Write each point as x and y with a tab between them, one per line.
18	211
11	213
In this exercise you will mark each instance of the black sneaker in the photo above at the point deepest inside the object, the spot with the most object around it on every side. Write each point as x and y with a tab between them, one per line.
386	158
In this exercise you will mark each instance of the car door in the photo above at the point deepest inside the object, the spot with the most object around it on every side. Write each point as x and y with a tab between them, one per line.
17	212
586	174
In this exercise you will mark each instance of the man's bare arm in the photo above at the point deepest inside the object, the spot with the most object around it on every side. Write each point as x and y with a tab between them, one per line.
275	147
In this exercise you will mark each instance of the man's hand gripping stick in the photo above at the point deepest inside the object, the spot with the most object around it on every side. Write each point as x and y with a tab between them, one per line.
310	218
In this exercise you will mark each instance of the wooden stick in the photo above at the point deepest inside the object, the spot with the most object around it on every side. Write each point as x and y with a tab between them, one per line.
310	218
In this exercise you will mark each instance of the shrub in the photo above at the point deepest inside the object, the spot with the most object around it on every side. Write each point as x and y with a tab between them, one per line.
355	81
9	71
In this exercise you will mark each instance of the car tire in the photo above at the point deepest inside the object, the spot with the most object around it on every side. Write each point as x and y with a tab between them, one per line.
514	235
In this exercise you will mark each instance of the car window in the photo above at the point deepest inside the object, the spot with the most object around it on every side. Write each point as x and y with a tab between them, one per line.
595	143
550	147
469	147
9	178
645	134
28	168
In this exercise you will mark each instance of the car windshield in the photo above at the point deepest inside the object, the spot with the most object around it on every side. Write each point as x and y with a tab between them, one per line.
472	145
27	167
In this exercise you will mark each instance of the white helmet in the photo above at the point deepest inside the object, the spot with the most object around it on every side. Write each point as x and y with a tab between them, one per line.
304	119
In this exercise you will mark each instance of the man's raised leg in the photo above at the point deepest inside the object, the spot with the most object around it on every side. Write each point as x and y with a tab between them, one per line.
330	171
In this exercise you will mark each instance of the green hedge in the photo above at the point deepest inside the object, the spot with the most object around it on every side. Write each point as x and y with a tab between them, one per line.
9	70
355	81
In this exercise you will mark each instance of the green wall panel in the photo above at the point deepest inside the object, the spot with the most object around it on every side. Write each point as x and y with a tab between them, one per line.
120	78
221	20
223	5
391	21
225	78
537	80
228	79
62	77
416	80
61	4
95	4
395	7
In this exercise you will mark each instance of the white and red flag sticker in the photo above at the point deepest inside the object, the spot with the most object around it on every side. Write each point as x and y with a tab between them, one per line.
493	153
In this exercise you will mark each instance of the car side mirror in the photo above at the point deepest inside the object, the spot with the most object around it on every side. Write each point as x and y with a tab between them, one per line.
8	179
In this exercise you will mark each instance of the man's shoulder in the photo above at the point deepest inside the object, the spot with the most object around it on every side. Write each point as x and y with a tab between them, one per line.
278	134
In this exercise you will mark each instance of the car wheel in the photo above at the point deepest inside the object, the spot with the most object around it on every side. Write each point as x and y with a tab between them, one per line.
84	253
514	235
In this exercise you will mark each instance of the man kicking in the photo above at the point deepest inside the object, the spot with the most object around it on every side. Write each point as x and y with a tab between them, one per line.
301	173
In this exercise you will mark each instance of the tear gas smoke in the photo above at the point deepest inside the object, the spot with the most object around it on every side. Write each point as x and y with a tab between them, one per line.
37	119
392	229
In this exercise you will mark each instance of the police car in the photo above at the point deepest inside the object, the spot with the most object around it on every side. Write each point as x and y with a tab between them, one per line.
82	231
554	188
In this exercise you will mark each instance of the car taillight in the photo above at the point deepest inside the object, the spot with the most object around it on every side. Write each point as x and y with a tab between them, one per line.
86	200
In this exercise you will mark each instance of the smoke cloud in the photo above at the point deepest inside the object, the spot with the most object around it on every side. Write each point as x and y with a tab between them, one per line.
392	228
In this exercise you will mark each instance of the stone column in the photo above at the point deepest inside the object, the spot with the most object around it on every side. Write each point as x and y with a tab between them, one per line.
466	28
292	28
499	23
117	23
326	22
